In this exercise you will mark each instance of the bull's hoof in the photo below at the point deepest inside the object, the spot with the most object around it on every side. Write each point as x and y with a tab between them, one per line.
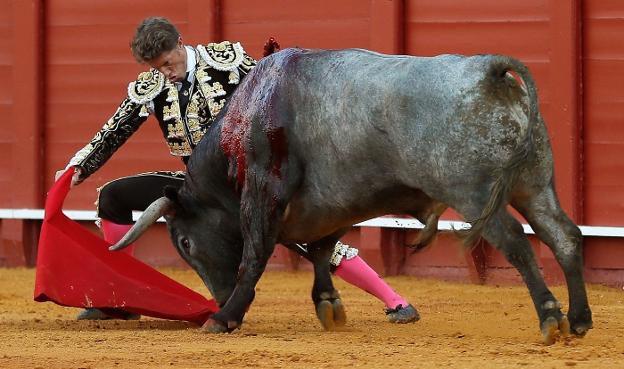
325	313
402	315
214	326
331	314
580	330
580	321
552	329
340	316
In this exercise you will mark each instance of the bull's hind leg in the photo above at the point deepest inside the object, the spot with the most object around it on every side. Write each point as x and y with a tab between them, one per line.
329	308
506	234
564	238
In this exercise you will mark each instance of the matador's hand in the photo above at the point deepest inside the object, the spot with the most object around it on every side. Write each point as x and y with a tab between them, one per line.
75	178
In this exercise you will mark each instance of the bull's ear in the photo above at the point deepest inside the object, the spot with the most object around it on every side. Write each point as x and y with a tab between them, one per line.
172	194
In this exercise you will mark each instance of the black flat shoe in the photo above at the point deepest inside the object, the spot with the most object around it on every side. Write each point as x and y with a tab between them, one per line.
98	314
402	315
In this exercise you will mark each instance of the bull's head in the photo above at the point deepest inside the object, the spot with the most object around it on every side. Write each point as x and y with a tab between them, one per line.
207	236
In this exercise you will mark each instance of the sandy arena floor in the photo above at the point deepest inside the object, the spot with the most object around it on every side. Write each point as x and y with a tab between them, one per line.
462	326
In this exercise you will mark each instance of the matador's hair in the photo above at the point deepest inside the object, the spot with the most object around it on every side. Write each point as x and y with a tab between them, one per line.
154	36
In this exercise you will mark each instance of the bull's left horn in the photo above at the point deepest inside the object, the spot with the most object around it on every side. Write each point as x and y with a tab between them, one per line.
157	209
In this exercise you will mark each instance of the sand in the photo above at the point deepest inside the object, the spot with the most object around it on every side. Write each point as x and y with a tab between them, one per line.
461	326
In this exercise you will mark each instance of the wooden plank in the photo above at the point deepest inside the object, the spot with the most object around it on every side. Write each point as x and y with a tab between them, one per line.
387	26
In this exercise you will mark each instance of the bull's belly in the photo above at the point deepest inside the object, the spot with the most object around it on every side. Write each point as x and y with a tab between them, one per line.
302	229
308	221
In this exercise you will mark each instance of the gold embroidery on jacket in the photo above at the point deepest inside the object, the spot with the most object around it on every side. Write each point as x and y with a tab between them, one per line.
192	109
248	63
215	107
212	91
147	86
182	134
201	74
177	138
193	119
224	56
171	112
180	149
144	111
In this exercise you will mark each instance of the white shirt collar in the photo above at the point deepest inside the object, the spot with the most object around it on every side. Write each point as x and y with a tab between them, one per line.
190	63
190	66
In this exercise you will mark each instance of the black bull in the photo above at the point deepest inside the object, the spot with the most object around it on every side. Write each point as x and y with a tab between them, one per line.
313	142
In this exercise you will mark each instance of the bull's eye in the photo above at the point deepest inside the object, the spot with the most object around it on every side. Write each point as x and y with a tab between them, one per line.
186	244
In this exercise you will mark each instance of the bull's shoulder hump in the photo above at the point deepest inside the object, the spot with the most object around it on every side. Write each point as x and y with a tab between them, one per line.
146	87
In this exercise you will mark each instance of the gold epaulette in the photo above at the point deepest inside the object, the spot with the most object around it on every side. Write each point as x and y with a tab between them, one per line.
147	86
224	56
247	64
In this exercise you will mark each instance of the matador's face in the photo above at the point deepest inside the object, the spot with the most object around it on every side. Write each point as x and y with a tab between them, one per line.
171	63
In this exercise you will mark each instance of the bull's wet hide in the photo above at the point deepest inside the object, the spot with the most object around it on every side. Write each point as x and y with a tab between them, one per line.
75	268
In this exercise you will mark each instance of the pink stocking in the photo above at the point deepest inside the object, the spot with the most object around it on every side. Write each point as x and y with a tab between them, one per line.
356	272
114	232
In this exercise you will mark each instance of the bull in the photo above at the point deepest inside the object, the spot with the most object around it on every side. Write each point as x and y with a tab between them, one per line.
314	141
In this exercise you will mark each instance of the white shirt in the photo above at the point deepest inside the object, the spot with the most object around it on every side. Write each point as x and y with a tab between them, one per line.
190	66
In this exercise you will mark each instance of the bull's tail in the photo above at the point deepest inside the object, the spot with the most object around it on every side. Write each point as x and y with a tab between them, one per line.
507	175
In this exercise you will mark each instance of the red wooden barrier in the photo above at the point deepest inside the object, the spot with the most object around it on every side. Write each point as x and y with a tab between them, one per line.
571	48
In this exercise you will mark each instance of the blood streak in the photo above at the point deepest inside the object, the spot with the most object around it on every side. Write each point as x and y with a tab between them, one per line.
233	137
257	98
277	140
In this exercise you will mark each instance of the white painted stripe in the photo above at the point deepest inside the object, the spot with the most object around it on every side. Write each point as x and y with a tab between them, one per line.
72	214
383	222
447	225
602	231
21	213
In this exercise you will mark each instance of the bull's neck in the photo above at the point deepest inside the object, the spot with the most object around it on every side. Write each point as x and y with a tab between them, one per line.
207	171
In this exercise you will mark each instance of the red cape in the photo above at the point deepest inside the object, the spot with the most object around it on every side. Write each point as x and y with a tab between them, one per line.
75	268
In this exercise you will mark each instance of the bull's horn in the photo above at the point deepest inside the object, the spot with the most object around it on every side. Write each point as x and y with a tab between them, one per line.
157	209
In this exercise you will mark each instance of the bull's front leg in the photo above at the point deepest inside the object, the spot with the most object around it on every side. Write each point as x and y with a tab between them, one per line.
255	257
259	216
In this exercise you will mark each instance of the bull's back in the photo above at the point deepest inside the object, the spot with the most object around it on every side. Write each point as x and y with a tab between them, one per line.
381	118
354	98
366	125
